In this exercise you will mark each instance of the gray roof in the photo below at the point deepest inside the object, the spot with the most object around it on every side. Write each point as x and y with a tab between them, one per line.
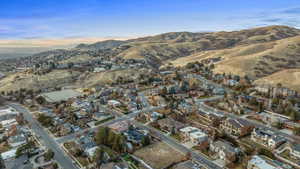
62	95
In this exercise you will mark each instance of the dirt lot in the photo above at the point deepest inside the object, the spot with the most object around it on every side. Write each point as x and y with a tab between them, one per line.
159	155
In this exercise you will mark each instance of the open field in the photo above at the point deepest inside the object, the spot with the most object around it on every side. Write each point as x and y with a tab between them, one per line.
159	155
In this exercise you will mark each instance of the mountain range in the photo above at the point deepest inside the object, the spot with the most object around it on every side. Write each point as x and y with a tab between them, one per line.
266	54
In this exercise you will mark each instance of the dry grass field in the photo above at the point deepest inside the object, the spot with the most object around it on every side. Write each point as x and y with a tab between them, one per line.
159	155
30	81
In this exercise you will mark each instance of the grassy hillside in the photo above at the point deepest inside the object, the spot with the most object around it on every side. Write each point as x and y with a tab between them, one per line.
258	52
57	78
257	60
288	77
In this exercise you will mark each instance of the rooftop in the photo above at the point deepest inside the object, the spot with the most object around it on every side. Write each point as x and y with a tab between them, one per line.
62	95
261	163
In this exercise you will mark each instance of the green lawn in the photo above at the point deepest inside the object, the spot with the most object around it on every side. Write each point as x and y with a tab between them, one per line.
176	136
102	121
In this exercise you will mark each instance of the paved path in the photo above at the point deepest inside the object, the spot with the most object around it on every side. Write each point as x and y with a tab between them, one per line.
60	156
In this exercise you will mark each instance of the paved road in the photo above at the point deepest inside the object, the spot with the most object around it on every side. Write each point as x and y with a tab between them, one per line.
120	118
64	160
203	79
178	146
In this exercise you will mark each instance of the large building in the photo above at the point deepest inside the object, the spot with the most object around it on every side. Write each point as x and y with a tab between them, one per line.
261	162
267	138
236	127
62	95
194	135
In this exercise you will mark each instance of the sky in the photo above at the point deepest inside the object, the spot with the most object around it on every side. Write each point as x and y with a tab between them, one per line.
71	19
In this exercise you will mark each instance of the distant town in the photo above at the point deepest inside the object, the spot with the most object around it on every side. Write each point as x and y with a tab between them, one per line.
167	118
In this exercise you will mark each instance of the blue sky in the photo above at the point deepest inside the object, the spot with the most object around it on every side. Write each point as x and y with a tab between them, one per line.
34	19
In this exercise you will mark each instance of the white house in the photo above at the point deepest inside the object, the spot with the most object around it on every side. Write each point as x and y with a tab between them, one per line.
99	69
267	138
7	123
114	103
17	140
9	154
91	151
258	162
194	135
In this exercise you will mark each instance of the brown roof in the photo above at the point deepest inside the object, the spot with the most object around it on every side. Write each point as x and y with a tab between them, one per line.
239	123
170	123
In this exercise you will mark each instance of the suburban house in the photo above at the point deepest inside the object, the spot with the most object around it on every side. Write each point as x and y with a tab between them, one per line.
120	127
188	165
9	154
276	91
267	138
170	125
258	162
271	118
154	116
17	140
224	150
99	116
113	165
210	119
134	135
194	135
236	127
113	103
8	113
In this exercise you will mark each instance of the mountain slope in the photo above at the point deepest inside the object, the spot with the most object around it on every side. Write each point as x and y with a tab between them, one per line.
101	45
288	77
256	60
258	52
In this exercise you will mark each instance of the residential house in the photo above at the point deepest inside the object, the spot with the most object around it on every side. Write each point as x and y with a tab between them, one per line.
236	127
170	125
99	69
135	135
224	151
113	103
65	129
211	119
258	162
188	165
263	88
113	165
271	118
194	135
100	116
8	113
267	138
9	154
154	116
8	123
230	82
17	140
90	152
120	127
218	91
